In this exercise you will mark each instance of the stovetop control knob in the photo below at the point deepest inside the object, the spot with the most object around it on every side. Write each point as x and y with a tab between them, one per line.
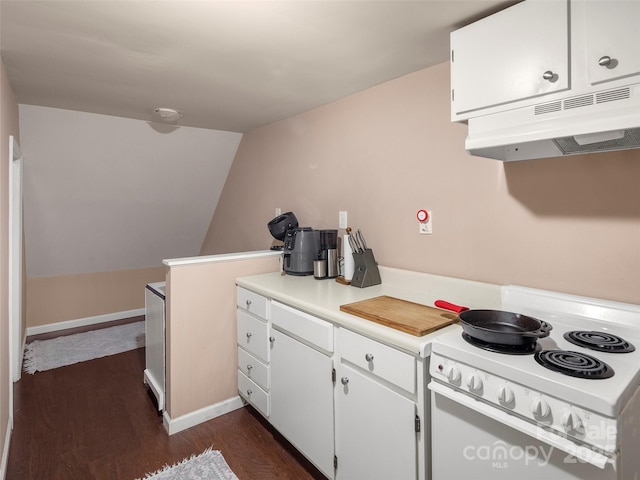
475	383
571	422
505	395
454	375
539	408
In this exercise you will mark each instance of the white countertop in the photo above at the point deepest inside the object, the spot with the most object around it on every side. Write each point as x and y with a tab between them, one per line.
323	298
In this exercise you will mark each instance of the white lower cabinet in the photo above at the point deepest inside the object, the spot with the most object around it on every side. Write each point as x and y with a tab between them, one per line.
353	410
302	386
376	425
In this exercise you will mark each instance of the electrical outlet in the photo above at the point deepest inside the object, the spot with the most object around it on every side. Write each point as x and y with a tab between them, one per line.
278	212
342	219
426	228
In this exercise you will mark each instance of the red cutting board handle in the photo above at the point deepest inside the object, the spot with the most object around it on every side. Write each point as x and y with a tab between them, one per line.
450	306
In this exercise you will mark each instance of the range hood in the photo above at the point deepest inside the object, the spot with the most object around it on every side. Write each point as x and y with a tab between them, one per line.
598	121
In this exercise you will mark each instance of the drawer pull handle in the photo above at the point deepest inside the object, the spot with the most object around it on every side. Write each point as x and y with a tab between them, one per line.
248	334
344	380
249	392
272	339
550	76
369	357
249	367
248	303
604	61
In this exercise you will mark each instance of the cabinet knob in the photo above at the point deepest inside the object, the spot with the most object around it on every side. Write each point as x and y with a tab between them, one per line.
272	339
549	75
248	334
249	392
369	357
344	380
249	367
604	61
248	303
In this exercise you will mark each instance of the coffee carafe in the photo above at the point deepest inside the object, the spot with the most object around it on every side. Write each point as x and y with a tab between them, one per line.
329	251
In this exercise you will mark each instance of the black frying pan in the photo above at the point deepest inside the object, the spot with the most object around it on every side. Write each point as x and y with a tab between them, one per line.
499	327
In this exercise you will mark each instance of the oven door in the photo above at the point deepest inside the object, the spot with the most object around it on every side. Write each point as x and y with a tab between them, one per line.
467	443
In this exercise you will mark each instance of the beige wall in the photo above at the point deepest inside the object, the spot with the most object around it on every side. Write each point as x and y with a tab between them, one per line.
201	332
567	224
72	297
8	126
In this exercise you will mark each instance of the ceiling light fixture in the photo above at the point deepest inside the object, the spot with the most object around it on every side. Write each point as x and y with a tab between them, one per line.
167	114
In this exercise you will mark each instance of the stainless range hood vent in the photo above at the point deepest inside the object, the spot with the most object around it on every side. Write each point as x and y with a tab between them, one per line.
601	121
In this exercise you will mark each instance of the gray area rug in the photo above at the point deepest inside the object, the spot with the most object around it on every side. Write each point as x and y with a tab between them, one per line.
41	355
209	465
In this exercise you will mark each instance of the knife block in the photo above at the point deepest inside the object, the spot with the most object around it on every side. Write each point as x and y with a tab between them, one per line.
366	271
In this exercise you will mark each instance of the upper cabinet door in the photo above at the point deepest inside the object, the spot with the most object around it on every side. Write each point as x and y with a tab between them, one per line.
518	53
613	36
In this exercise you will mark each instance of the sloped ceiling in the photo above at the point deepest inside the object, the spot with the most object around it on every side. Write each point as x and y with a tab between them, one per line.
103	193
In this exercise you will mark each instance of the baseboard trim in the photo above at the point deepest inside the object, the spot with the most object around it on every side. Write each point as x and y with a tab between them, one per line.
83	322
200	416
5	450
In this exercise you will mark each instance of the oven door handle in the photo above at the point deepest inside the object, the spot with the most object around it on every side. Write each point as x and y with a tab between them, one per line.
583	453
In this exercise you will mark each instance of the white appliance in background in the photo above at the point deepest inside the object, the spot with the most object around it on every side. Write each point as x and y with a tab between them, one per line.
502	415
154	327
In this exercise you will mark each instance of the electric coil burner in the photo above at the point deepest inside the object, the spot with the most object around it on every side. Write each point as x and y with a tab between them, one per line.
574	364
599	341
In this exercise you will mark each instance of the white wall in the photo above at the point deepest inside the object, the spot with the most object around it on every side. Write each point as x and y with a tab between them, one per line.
104	193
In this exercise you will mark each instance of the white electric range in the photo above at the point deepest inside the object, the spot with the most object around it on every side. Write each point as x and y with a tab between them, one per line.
499	413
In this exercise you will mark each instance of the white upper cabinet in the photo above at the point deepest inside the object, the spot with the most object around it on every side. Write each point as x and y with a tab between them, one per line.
518	53
541	51
613	36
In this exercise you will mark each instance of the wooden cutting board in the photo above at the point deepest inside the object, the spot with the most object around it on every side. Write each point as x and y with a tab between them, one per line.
402	315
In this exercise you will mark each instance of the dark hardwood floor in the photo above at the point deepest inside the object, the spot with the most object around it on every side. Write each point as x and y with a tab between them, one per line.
96	420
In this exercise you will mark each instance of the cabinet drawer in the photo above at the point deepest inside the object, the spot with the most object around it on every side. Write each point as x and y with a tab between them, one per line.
307	328
385	362
252	302
253	368
253	335
253	394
